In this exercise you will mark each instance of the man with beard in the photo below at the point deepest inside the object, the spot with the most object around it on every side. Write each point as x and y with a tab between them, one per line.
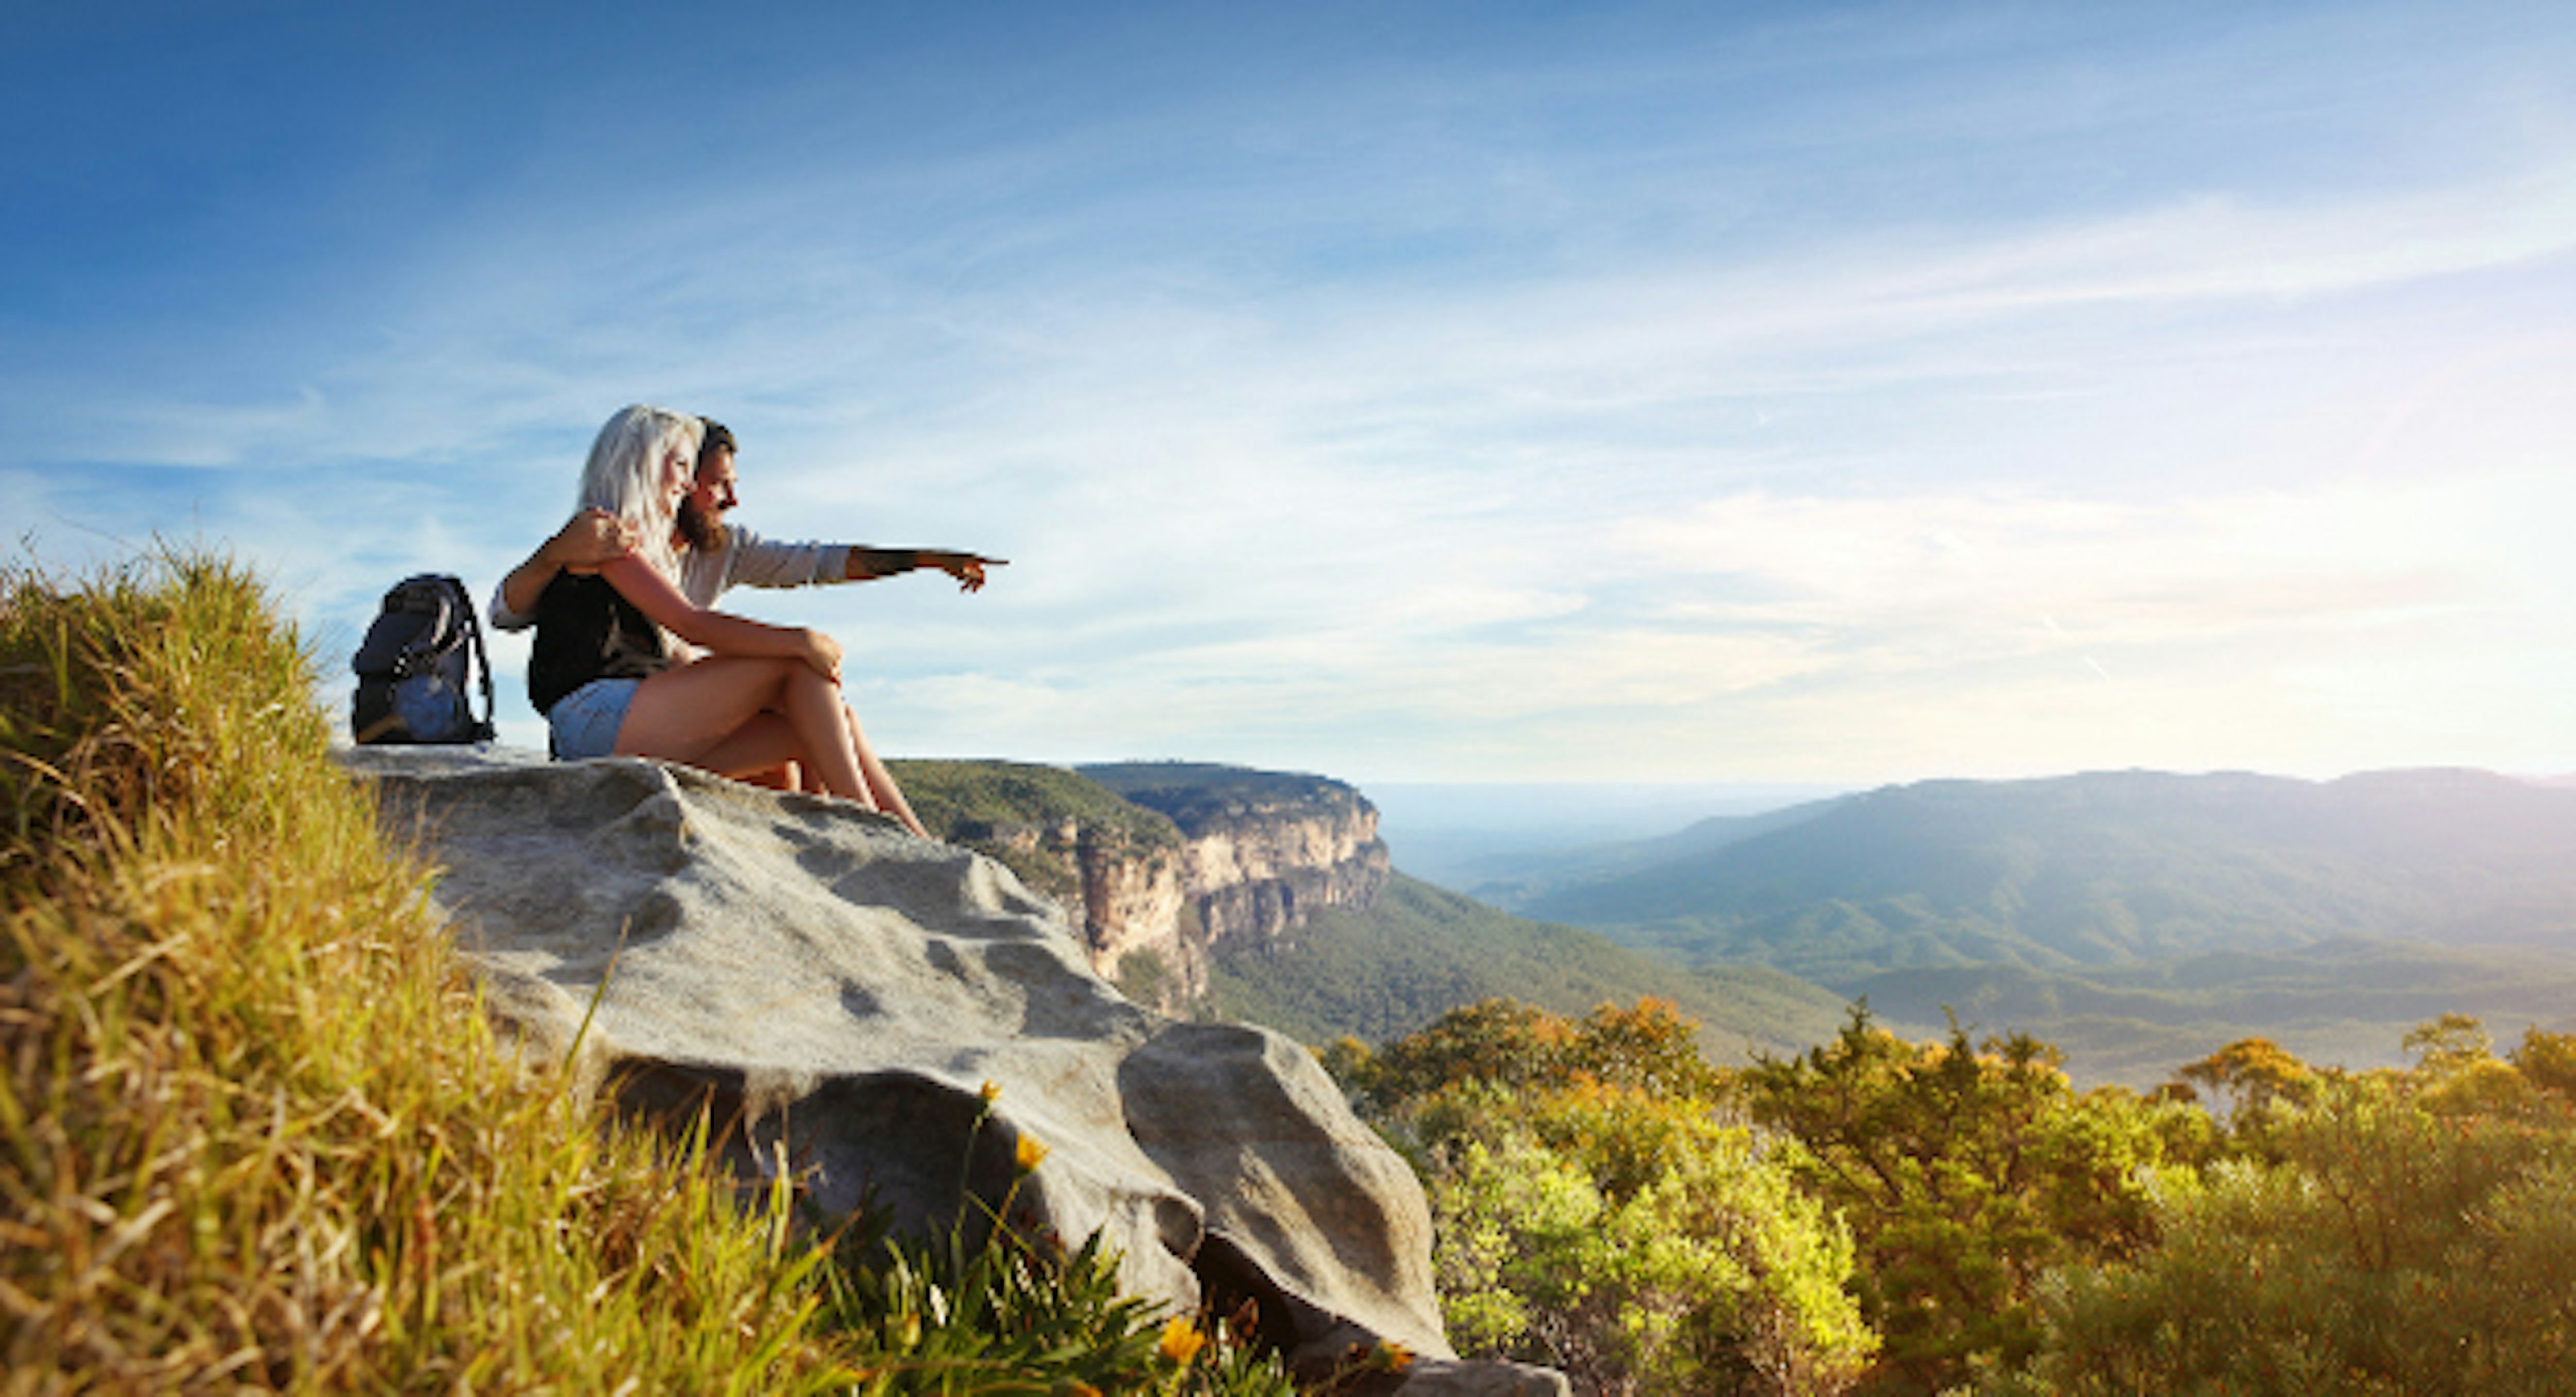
716	555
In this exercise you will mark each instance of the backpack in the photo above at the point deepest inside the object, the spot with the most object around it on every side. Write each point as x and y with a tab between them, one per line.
413	666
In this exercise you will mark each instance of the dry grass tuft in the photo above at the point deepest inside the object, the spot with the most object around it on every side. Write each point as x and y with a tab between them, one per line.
254	1133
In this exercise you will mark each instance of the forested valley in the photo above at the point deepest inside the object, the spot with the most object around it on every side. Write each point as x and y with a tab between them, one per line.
1878	1215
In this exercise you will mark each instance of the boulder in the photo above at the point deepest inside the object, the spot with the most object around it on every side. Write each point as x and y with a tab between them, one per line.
844	995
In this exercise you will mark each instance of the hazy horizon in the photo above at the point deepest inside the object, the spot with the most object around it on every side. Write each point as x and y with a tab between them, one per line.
1814	395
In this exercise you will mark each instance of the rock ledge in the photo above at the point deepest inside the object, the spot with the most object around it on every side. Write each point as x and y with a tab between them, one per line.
842	990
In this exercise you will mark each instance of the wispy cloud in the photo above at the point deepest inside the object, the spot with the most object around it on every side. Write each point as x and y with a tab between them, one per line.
1698	402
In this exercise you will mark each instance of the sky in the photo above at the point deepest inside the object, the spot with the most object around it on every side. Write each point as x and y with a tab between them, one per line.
1409	392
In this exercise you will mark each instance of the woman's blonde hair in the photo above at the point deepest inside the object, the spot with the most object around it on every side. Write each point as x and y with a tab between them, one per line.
625	476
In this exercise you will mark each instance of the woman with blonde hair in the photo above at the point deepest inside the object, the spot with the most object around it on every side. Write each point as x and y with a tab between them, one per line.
617	668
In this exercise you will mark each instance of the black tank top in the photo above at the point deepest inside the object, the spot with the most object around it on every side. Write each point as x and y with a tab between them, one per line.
587	631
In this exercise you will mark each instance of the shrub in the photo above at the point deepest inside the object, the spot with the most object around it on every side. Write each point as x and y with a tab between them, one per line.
2391	1236
1597	1210
1966	1171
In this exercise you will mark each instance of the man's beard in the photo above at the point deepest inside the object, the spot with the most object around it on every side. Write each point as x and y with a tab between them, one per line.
703	528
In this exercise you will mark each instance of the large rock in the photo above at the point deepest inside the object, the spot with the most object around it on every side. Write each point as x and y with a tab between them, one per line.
841	990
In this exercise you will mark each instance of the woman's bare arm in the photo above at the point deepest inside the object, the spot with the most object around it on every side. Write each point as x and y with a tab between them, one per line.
653	594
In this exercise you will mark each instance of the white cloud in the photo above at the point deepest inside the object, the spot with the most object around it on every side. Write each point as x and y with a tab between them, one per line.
2004	573
1575	458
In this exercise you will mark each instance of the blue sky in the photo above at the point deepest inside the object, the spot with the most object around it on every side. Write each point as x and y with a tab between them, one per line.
1410	392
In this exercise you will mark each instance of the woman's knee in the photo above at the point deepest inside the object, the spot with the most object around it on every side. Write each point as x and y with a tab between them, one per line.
772	670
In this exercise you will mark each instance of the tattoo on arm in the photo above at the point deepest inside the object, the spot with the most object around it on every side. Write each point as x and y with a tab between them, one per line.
885	562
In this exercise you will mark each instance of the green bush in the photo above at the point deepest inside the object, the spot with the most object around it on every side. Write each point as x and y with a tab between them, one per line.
1598	1211
2400	1233
1966	1172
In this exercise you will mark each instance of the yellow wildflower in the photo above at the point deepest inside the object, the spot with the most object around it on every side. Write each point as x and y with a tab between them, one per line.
1181	1340
991	1091
1391	1357
1029	1154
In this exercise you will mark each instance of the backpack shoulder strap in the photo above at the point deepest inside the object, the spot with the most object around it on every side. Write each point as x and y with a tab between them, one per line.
482	662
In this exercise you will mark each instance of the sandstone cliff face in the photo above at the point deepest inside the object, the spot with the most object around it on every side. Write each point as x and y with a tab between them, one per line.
1128	895
1258	853
1255	872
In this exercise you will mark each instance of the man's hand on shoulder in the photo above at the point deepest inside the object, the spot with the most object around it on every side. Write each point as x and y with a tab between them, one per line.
592	537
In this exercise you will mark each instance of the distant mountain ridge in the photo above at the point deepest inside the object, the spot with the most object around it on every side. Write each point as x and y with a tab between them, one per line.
1518	878
2103	870
2137	919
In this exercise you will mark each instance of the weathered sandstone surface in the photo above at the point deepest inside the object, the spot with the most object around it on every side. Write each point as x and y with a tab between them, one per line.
842	989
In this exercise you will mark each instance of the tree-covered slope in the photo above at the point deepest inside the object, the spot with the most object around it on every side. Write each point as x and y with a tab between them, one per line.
1422	951
1010	810
2345	1002
1195	793
992	794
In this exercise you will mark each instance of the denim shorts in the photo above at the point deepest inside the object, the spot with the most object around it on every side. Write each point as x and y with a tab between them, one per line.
584	723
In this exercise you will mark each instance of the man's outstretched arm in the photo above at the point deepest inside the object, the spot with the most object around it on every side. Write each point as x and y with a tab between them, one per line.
967	568
752	561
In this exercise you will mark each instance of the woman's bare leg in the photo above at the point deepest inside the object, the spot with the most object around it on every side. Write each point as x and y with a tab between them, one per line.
684	712
738	713
766	752
763	746
687	712
881	781
812	704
